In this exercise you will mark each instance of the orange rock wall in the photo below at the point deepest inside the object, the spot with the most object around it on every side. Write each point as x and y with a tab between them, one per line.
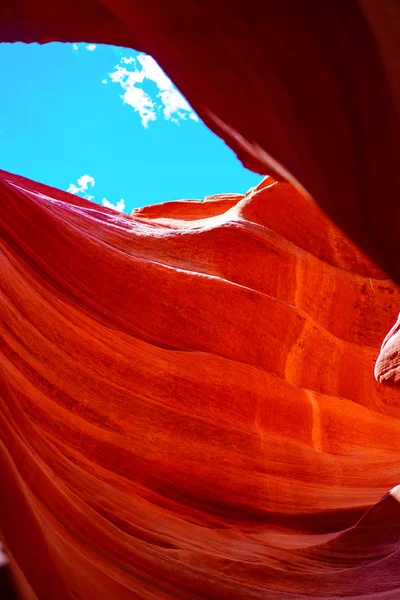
188	407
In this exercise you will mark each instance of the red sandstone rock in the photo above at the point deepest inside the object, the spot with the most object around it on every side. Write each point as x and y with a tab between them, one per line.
178	424
187	404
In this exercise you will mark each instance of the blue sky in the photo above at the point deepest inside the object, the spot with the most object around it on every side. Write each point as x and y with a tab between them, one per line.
106	123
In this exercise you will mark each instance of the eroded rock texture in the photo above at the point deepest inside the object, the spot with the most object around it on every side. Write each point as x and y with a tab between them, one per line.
188	407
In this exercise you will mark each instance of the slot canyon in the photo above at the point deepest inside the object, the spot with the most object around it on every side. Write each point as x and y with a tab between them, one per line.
200	400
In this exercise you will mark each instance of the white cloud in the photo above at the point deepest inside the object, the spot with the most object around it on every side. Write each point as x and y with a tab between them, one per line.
89	47
127	61
83	184
120	205
168	102
86	180
81	187
104	81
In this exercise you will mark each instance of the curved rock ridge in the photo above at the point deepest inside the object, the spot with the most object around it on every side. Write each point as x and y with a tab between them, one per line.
188	407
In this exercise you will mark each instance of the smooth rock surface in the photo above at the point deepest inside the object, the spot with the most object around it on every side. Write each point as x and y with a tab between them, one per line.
188	407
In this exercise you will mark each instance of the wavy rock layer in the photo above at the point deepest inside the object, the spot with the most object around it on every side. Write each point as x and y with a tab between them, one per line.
188	408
